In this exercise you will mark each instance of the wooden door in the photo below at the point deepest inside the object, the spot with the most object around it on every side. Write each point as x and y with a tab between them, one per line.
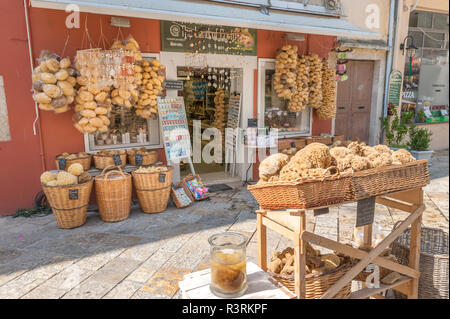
354	98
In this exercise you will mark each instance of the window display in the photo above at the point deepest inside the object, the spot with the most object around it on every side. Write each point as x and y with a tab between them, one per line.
276	110
126	129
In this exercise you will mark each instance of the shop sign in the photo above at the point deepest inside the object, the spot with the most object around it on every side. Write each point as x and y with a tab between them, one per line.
202	38
173	85
395	85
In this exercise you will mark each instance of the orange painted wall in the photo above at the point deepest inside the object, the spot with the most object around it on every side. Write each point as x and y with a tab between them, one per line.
21	162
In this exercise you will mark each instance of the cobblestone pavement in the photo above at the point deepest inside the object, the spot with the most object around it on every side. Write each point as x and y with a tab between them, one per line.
146	255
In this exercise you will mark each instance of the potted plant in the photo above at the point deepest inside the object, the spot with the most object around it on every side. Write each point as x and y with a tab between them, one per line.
421	116
419	142
396	129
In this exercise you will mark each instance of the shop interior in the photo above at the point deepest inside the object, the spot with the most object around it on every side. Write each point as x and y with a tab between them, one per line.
206	92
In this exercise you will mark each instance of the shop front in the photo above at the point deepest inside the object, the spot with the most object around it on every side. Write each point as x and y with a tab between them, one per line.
233	56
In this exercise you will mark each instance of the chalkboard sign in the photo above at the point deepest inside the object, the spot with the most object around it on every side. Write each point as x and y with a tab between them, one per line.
138	159
162	178
252	122
395	86
173	85
365	211
117	159
73	194
62	163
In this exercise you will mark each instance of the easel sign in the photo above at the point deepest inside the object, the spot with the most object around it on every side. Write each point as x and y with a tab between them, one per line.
174	129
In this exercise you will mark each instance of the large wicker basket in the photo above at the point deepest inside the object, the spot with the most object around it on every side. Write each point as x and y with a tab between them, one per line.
101	161
317	285
305	193
113	192
63	164
69	203
153	190
433	281
149	158
382	180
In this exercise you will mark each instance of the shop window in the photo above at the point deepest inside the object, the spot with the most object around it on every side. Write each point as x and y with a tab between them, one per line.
127	130
275	110
426	75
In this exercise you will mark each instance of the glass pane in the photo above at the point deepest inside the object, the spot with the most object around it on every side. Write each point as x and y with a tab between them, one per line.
418	38
413	19
425	20
440	21
434	40
125	130
276	112
430	56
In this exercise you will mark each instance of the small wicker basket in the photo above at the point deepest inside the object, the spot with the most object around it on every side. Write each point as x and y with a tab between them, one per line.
174	197
153	190
305	193
69	203
101	161
63	164
188	190
147	159
317	285
393	178
113	194
433	281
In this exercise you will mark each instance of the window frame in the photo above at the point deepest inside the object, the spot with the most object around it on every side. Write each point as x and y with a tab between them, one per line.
153	129
262	62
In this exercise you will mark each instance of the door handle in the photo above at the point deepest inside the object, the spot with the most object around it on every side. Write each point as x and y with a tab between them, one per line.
361	107
341	107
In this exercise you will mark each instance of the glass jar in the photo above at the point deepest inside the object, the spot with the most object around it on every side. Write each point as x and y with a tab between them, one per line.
228	264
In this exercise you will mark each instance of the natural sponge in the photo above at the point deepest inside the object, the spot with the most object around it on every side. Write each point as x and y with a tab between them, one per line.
339	152
75	169
65	178
47	177
84	177
271	165
402	157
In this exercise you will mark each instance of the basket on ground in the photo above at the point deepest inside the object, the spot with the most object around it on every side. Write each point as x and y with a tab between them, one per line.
153	189
64	163
305	193
433	281
387	179
104	160
317	284
69	203
149	158
113	192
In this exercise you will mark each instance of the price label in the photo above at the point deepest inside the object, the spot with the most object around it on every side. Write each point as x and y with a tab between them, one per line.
138	159
162	178
73	194
365	211
62	163
321	211
117	159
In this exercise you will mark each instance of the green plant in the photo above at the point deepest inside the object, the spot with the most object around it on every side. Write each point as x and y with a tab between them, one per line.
396	129
419	138
421	116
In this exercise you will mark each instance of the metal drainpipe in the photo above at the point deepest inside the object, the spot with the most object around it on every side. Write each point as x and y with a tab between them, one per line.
37	121
391	50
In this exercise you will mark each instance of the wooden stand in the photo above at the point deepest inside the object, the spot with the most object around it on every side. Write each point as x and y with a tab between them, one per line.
291	223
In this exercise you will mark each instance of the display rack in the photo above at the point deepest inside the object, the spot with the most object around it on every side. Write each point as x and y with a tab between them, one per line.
291	223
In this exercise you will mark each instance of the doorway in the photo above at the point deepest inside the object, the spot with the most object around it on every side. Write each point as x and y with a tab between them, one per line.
354	99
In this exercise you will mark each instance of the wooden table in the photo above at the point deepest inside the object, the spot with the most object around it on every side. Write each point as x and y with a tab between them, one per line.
260	285
291	223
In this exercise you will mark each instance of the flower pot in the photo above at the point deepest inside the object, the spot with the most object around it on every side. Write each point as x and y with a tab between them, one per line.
422	155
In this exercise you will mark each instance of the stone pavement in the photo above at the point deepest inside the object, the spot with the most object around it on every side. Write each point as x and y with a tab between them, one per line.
146	255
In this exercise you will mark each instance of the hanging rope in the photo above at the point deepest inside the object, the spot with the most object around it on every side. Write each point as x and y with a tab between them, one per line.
102	37
65	45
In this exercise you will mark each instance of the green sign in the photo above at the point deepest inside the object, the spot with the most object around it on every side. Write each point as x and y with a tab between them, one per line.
202	38
395	84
